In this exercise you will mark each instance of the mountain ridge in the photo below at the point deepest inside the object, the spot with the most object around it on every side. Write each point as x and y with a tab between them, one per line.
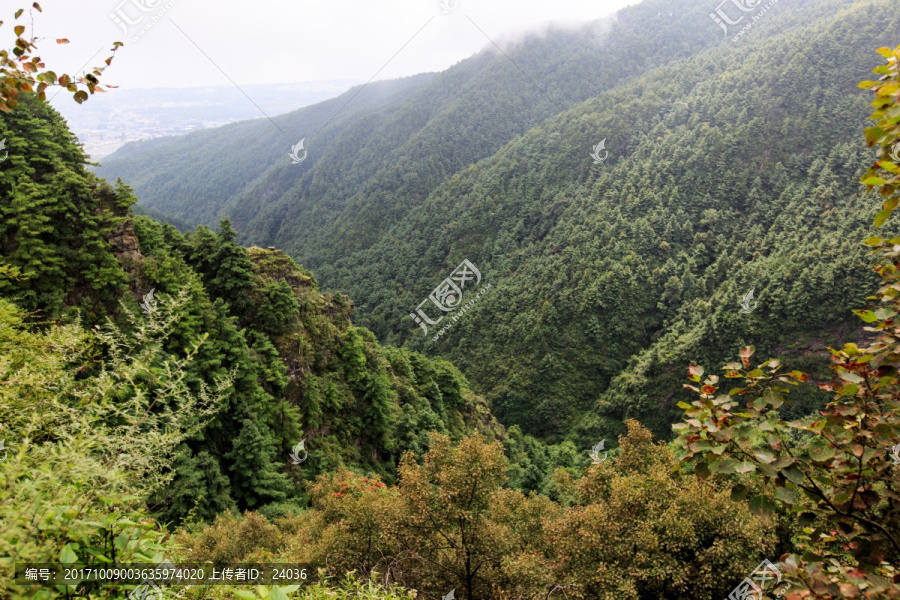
716	131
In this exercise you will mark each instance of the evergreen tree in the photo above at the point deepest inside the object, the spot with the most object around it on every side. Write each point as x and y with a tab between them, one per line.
255	476
231	273
200	489
277	313
56	218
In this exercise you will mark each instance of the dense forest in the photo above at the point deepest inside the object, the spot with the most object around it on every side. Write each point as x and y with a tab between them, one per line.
605	279
174	388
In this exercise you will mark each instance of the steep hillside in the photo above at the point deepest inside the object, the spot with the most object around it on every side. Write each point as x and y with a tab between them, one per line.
169	395
378	159
723	175
737	174
248	326
227	159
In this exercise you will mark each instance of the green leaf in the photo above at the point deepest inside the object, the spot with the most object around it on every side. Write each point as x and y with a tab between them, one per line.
244	594
889	166
794	474
786	495
67	555
811	557
821	453
277	594
866	315
739	492
881	217
761	505
851	376
849	390
745	467
99	555
764	456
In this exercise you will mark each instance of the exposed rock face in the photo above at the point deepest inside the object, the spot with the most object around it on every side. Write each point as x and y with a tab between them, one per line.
125	244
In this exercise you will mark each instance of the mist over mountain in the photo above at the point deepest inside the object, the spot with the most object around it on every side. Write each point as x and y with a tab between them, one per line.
593	266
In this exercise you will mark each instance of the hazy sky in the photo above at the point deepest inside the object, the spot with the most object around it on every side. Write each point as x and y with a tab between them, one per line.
279	41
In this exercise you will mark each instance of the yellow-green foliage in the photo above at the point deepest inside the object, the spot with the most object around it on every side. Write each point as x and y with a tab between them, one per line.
637	528
345	588
645	530
230	539
87	439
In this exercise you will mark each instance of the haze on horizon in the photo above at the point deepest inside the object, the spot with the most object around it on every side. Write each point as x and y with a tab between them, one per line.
205	43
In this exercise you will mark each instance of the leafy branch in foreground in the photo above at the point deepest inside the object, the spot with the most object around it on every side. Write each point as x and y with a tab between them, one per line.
22	71
89	439
834	469
141	395
885	173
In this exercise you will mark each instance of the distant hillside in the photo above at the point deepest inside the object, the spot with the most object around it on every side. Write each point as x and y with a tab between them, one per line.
731	167
432	125
229	158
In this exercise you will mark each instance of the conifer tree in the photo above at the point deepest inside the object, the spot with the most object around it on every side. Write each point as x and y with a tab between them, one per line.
278	310
55	217
200	489
255	475
232	272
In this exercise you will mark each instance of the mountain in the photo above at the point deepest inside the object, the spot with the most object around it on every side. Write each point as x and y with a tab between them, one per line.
438	124
175	315
168	395
731	166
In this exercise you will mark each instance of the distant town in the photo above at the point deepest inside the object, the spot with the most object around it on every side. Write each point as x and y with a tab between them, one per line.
108	121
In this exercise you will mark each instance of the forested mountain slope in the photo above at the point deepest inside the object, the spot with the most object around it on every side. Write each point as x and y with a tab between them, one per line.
723	179
249	326
376	160
154	382
226	159
723	175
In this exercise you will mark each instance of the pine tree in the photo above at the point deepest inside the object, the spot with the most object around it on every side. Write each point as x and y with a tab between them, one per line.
255	477
56	218
200	488
232	272
277	313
